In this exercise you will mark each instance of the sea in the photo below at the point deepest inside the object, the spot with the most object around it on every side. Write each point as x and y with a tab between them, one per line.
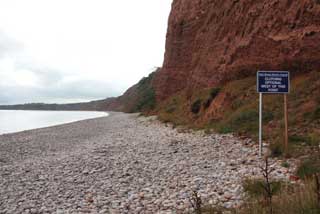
12	121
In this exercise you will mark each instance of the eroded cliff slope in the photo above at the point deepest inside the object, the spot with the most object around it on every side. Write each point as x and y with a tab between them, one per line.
210	42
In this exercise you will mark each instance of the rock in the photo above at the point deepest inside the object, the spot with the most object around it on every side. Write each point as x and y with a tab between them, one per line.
227	46
136	173
227	196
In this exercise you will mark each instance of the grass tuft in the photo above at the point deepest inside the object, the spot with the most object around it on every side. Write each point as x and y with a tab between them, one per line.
196	106
309	167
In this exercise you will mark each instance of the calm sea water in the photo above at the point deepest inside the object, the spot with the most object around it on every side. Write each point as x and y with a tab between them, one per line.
14	121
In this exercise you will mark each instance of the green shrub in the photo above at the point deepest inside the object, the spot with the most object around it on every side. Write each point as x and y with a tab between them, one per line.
312	115
285	164
314	139
267	116
237	104
245	117
309	167
316	114
170	109
207	103
214	92
276	149
146	99
224	129
297	139
196	106
298	199
255	187
212	95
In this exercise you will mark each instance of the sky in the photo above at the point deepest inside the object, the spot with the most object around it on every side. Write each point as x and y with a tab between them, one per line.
62	51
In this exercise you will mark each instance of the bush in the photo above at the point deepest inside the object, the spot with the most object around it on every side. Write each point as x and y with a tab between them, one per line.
297	139
196	106
314	139
146	98
276	149
316	114
308	168
267	116
224	129
213	94
285	165
255	188
170	109
207	103
245	117
291	199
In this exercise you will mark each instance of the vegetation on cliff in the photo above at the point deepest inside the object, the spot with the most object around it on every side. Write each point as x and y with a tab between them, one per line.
146	100
234	108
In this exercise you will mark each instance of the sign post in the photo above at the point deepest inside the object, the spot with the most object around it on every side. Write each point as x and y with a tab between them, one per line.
285	124
273	82
260	123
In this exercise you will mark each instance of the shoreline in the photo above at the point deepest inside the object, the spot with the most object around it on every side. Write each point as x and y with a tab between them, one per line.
107	113
122	163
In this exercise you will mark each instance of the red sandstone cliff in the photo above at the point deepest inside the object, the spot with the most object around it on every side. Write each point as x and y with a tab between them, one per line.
213	41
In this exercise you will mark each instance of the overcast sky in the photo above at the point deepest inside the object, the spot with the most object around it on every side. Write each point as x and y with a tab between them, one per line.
78	50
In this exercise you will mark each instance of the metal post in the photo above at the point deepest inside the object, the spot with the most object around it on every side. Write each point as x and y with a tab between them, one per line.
260	124
285	124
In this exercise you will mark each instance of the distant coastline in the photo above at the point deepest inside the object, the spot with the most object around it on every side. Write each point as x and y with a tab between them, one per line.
98	105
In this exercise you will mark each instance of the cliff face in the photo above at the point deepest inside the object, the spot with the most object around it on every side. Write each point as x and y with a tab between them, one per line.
210	42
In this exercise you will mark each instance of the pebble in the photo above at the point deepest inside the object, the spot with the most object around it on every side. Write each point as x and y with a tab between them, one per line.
124	164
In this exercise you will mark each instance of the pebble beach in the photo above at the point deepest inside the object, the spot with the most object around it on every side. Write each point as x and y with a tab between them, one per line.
124	163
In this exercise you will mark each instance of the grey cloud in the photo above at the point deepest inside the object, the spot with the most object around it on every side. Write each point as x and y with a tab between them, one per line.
47	76
51	86
83	89
80	90
8	45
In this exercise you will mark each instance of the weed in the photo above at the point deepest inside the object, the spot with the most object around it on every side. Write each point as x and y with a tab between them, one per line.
314	140
214	92
212	95
216	210
309	167
224	129
245	117
170	109
267	116
269	188
255	188
196	106
285	164
317	189
146	99
276	149
207	103
316	114
196	202
297	139
237	104
290	199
